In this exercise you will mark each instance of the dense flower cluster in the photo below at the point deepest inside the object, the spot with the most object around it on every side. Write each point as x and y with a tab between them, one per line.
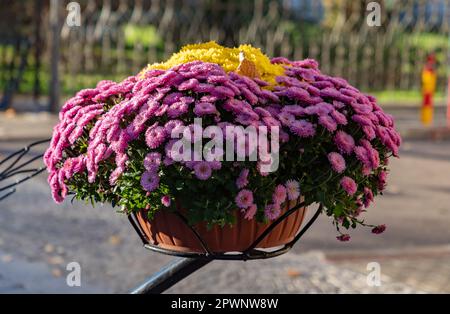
113	143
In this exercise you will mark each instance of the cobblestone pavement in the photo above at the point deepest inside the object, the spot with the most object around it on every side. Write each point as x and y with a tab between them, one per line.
290	273
425	269
22	276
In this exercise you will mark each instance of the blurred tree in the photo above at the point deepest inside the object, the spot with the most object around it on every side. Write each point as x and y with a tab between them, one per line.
16	17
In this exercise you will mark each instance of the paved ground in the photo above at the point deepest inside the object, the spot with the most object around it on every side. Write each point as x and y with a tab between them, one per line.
309	272
426	268
39	238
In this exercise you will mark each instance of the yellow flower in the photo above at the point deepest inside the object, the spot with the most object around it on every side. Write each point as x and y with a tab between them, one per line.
227	58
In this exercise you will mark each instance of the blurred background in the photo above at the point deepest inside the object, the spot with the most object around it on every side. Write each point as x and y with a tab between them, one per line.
49	49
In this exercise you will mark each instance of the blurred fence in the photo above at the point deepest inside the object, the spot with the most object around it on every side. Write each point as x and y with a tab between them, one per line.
116	38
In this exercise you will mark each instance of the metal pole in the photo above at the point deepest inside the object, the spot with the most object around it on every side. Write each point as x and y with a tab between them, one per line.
178	269
54	55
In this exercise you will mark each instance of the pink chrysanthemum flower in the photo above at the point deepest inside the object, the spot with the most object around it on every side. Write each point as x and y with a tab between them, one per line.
366	170
242	180
295	110
271	122
349	185
292	189
344	142
202	170
372	154
149	181
286	118
368	197
339	117
382	177
177	109
172	98
361	120
369	131
279	195
343	237
244	198
155	136
337	162
262	112
172	124
379	229
303	128
322	108
204	108
362	155
272	211
189	84
328	122
243	119
152	161
165	200
251	212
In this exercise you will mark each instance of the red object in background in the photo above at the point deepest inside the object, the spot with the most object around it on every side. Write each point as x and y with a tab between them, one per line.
431	62
427	100
428	89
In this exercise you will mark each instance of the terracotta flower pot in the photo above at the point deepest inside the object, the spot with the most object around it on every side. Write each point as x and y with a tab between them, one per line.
168	231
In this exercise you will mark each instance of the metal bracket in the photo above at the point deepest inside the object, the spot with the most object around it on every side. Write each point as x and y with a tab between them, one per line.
14	165
189	262
250	253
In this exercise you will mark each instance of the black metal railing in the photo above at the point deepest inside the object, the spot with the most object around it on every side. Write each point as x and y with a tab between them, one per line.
16	164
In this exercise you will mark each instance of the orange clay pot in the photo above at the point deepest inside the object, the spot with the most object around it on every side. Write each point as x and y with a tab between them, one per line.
168	231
